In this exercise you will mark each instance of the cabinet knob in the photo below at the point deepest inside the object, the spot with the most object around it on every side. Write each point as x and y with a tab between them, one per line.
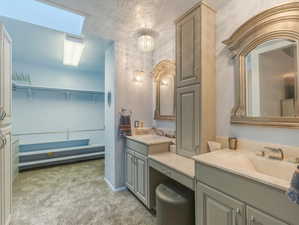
3	141
237	213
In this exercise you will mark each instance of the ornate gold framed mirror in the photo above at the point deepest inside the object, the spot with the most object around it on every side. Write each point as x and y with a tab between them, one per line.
265	51
164	77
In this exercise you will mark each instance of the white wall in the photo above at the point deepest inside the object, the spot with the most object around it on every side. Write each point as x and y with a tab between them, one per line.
50	111
122	59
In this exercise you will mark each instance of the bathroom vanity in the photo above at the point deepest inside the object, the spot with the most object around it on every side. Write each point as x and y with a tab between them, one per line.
240	188
138	149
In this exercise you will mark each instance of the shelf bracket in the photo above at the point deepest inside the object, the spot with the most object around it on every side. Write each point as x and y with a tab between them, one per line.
68	96
29	93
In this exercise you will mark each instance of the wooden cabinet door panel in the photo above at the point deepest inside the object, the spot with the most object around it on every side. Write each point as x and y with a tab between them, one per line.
141	177
130	170
188	49
216	208
188	120
256	217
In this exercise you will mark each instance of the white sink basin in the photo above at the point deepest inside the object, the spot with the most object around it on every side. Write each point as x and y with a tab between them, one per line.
247	164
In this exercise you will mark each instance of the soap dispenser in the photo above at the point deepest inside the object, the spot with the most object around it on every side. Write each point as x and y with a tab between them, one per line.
293	192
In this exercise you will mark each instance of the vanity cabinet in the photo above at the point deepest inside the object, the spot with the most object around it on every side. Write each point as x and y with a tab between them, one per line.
224	198
136	179
136	160
216	208
195	84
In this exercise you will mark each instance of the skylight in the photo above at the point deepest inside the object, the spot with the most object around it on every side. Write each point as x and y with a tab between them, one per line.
41	14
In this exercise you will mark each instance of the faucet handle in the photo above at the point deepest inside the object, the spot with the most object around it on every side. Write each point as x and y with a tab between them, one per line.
276	150
261	153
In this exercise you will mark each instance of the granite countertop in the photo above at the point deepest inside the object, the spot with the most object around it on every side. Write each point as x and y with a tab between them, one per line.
246	164
179	163
150	139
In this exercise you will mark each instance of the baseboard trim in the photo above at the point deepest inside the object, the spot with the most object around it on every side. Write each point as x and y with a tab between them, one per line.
114	189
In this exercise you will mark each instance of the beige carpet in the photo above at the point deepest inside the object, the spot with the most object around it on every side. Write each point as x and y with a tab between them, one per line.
74	194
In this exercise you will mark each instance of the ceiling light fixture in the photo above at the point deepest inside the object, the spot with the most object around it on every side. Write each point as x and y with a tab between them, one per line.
73	49
146	40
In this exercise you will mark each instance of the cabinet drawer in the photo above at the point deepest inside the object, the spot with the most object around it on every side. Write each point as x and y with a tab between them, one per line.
138	147
173	174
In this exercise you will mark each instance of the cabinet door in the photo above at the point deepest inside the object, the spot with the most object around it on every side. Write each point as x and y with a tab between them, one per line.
255	217
188	49
5	179
141	177
188	120
216	208
5	78
130	170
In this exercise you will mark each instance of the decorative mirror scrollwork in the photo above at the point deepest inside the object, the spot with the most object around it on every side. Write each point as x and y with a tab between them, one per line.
265	51
164	77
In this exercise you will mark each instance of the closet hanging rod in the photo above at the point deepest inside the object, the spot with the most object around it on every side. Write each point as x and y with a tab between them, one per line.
57	132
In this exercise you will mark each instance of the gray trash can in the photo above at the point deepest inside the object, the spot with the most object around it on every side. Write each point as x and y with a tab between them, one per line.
174	205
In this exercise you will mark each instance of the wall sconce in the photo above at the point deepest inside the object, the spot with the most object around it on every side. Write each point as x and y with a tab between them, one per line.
138	76
164	83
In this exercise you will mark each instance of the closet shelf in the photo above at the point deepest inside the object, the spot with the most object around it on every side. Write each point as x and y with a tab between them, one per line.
41	88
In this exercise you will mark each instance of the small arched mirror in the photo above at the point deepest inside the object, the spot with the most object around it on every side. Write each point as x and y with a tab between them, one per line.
265	52
164	77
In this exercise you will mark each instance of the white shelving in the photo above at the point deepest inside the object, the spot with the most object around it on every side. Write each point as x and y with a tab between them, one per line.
28	87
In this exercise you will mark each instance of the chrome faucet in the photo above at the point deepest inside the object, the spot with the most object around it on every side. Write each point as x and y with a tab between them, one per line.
276	150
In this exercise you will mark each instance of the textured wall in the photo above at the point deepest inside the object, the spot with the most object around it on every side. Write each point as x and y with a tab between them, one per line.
230	15
122	60
165	49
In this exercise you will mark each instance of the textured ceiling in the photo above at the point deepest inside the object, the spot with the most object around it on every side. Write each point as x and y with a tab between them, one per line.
120	19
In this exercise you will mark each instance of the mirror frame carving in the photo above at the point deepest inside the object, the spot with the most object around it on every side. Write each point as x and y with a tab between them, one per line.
163	68
280	22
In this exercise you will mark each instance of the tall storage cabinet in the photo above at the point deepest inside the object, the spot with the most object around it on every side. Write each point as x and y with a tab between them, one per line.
195	86
5	127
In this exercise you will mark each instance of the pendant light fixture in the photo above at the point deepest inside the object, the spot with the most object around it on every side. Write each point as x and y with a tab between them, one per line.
146	40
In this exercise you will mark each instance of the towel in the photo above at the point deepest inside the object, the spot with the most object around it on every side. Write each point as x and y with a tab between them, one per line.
125	126
293	192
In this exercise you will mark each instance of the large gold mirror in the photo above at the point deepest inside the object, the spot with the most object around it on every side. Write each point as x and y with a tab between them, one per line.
265	51
164	76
